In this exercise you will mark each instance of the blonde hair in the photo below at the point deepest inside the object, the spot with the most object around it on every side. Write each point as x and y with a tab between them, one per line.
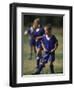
37	20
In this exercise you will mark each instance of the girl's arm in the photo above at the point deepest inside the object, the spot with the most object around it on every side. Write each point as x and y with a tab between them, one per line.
39	37
56	46
43	46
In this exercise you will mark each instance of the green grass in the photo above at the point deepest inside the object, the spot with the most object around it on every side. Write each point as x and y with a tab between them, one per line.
30	65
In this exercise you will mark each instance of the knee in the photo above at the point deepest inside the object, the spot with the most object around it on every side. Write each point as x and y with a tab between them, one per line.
42	64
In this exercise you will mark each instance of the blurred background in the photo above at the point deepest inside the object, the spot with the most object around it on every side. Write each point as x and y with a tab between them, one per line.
29	66
53	19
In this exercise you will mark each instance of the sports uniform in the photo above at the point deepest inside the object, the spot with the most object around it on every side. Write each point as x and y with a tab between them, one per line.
49	44
37	33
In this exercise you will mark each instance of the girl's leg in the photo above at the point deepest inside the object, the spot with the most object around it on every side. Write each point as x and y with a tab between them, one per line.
34	50
40	68
51	67
38	50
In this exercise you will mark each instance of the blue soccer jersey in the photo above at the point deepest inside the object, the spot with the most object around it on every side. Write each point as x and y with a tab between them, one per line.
38	32
49	44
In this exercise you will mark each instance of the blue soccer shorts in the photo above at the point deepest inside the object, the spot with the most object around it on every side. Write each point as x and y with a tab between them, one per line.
47	57
32	42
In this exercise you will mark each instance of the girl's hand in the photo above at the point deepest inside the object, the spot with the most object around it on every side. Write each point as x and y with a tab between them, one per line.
45	50
36	38
52	50
39	37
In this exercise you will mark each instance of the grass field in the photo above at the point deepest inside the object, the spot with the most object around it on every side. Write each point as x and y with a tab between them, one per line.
30	65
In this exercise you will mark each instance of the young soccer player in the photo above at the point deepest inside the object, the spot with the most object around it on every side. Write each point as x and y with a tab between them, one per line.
30	32
49	44
38	33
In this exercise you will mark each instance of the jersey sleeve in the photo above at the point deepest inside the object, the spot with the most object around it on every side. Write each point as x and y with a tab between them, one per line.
42	40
